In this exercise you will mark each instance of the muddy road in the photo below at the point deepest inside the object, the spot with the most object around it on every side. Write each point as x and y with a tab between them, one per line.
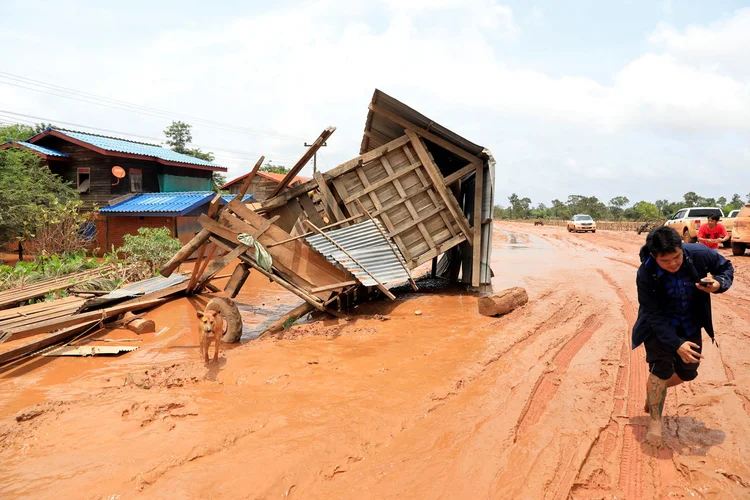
546	402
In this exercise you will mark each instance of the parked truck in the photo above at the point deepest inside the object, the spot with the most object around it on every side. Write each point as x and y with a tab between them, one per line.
688	221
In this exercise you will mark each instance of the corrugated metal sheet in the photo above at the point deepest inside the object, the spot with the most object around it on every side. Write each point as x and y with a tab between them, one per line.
174	204
134	290
394	131
366	244
135	148
41	149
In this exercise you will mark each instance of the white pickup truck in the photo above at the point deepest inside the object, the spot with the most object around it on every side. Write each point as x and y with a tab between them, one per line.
688	221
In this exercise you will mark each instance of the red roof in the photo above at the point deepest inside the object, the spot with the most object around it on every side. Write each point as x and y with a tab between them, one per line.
271	176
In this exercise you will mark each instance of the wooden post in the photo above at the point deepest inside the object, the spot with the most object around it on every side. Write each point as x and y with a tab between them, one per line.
185	252
380	285
476	245
238	278
329	201
246	183
303	161
433	271
292	316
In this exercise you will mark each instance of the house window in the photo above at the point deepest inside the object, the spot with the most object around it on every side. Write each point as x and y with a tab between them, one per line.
84	180
136	180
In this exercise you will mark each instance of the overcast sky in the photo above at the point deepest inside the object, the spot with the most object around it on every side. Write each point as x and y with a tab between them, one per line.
645	99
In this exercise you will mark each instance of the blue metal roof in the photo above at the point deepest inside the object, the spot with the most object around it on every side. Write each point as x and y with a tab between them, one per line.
39	149
135	148
154	204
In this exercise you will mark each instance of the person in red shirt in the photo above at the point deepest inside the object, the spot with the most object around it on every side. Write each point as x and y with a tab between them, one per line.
713	233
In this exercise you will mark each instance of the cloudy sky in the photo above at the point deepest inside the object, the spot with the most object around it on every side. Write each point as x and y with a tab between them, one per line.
645	99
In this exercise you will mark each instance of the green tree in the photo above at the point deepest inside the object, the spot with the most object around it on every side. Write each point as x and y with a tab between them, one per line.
27	187
179	135
645	211
616	205
691	199
275	169
15	132
151	246
721	201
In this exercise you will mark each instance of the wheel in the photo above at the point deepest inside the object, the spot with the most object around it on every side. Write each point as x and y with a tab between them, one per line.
738	248
686	236
570	230
231	315
727	244
593	231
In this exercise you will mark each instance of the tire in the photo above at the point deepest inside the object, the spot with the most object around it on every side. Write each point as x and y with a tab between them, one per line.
593	231
231	314
738	248
727	244
686	236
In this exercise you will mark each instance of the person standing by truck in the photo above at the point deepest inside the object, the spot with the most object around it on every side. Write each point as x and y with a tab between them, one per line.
712	233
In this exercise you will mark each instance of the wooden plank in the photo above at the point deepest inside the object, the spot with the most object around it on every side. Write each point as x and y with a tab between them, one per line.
329	201
39	344
291	316
220	264
441	248
408	203
200	265
309	209
303	161
438	183
342	169
185	252
430	192
460	174
249	179
68	321
424	133
333	286
238	278
408	273
335	243
393	176
419	220
296	256
277	279
476	245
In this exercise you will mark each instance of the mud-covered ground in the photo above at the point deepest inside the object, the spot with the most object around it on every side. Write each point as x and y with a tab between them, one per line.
546	402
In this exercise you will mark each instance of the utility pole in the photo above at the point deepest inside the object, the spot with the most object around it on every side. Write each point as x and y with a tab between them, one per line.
315	156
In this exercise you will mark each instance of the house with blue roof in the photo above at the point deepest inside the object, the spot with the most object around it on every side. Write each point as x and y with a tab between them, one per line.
89	162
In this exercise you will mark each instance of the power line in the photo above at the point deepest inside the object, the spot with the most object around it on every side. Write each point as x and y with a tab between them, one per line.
68	93
242	153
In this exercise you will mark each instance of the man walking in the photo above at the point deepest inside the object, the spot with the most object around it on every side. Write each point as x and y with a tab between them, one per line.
674	305
713	233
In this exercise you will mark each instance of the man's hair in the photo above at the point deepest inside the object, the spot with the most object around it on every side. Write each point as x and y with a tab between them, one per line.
663	240
715	217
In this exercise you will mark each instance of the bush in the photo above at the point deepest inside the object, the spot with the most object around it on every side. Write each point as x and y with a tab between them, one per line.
44	267
151	247
61	229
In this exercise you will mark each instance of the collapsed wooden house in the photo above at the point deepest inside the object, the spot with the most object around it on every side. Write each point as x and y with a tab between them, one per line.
416	192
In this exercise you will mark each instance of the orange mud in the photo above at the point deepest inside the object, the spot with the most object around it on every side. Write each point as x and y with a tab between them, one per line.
545	402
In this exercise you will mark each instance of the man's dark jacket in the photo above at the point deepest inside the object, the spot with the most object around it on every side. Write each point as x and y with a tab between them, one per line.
699	260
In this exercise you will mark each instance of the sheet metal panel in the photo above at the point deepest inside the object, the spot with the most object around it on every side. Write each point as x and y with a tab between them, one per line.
366	244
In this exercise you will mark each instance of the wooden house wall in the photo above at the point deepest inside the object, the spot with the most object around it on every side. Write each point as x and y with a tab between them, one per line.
260	187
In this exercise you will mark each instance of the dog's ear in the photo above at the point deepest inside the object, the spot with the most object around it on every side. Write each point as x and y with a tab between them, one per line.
199	314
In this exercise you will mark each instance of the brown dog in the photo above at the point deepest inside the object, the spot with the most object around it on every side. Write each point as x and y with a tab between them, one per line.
211	330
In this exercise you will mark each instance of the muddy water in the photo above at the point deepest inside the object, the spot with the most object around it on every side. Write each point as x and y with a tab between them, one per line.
541	403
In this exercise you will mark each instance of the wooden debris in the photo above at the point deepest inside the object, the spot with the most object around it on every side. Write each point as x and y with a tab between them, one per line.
137	324
287	319
502	302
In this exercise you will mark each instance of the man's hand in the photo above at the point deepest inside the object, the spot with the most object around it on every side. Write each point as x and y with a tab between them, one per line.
688	351
714	287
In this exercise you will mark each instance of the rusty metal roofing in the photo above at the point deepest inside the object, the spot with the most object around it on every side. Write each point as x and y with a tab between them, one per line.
391	130
368	246
145	287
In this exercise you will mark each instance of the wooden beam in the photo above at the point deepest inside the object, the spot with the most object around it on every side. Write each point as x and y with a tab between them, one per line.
430	192
335	243
238	278
249	179
291	316
419	220
438	183
309	209
185	252
476	246
424	133
220	264
392	176
329	201
408	273
460	174
441	248
200	268
303	161
333	286
342	169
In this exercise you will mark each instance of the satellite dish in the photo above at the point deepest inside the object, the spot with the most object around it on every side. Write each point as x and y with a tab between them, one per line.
118	172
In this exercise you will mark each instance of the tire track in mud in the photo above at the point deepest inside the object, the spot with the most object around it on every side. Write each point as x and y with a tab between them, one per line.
629	392
546	387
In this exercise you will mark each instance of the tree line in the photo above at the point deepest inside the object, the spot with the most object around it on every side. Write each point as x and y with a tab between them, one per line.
617	209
